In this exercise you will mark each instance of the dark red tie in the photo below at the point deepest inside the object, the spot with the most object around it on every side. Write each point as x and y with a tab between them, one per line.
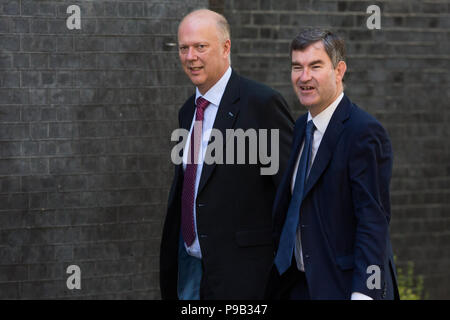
188	194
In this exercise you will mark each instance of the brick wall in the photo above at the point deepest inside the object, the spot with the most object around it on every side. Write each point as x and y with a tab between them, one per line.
86	116
85	122
400	74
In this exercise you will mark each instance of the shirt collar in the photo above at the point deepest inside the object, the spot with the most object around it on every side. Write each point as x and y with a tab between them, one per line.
214	95
322	119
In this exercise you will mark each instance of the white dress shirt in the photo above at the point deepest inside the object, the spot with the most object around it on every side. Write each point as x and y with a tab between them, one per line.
321	123
214	95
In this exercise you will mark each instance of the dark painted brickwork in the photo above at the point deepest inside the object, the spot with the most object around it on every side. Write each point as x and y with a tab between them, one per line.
86	117
85	122
400	74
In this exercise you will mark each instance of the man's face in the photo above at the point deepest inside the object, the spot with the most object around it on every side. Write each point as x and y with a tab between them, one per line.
203	55
316	82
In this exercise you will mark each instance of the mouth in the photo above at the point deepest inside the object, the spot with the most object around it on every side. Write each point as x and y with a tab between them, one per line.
195	70
306	89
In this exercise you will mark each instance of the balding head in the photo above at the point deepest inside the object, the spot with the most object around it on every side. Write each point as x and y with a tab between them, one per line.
204	47
210	17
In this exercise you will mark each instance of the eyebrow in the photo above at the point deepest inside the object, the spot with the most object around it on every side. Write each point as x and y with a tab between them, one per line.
295	63
194	44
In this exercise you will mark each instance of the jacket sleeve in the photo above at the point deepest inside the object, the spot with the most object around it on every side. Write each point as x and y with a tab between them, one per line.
370	168
276	116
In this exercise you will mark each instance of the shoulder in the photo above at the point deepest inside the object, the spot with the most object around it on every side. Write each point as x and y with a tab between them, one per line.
262	101
364	126
186	109
362	121
187	105
263	104
188	102
256	90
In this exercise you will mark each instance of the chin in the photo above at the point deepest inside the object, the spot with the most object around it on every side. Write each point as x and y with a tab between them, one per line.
196	81
306	102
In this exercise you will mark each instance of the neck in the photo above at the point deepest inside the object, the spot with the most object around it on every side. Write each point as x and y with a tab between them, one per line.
205	88
315	110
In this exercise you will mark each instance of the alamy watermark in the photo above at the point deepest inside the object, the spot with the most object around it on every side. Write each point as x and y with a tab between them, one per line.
374	21
374	280
74	20
74	280
232	148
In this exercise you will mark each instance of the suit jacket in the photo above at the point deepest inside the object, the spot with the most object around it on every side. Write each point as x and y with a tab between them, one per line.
345	213
234	201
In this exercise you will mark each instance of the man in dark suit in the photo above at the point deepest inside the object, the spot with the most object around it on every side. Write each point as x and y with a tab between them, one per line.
217	236
332	209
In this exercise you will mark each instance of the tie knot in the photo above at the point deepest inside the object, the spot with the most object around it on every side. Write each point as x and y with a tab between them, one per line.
202	103
310	127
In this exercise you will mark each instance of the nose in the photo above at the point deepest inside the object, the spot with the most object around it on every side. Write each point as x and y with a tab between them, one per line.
305	75
191	54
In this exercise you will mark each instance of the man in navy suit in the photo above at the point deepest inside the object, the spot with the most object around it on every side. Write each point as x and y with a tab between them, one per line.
332	208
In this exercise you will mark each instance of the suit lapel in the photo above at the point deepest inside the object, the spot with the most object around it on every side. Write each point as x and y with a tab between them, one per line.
188	113
299	135
328	143
186	116
226	116
284	196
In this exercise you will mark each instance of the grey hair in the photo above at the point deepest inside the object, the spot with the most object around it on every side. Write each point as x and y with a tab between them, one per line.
334	45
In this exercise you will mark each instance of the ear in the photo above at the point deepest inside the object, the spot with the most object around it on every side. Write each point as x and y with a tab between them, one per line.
340	70
227	48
